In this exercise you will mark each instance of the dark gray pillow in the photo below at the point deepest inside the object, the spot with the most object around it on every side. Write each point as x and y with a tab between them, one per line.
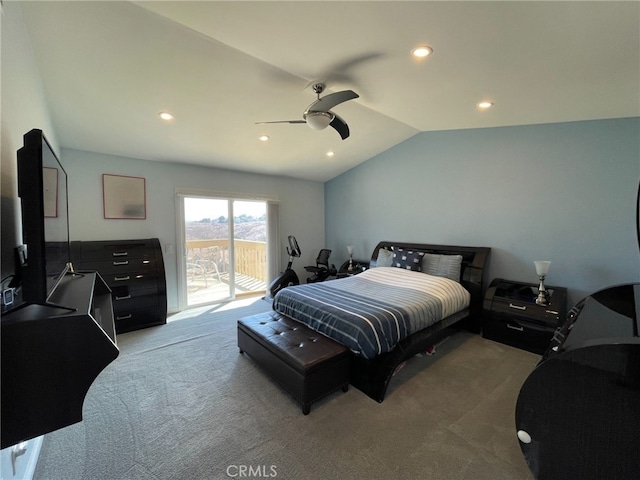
407	259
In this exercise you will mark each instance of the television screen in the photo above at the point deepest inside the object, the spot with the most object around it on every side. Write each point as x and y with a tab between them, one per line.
42	187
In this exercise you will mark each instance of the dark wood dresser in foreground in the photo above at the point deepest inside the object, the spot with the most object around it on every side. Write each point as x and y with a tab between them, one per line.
134	271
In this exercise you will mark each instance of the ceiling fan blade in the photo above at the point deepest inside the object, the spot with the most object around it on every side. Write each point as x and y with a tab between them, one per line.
327	102
340	126
340	72
352	62
283	121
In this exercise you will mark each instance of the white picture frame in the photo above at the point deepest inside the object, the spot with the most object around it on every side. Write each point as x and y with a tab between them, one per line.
124	197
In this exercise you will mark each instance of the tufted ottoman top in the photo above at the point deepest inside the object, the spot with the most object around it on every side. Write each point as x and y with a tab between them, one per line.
298	345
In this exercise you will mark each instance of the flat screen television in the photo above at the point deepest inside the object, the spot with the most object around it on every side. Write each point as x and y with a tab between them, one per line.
42	188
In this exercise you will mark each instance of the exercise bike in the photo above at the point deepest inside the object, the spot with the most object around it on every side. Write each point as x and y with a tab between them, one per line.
288	277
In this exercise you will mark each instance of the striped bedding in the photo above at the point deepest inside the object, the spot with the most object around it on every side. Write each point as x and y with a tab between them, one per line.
371	312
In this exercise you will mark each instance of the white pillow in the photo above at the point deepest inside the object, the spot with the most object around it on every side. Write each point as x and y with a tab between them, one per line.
385	258
447	266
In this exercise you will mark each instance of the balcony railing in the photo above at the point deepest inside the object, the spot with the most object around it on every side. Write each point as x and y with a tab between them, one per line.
213	257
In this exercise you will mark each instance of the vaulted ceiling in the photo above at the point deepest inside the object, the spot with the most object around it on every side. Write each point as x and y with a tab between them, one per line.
109	68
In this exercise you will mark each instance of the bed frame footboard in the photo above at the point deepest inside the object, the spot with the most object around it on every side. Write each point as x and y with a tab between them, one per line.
372	377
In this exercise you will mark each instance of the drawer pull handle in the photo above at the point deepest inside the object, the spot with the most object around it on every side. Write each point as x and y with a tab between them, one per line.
123	262
517	307
124	317
515	327
121	279
120	254
124	297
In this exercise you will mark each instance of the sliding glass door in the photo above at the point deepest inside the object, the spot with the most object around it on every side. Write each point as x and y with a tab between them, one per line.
249	247
225	248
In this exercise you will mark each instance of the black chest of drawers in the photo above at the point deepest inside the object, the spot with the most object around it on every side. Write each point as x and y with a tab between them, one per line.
134	271
511	315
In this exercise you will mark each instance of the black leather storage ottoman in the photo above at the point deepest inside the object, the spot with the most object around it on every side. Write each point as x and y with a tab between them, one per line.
305	363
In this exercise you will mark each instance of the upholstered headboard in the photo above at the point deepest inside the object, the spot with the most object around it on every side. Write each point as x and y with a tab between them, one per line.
473	264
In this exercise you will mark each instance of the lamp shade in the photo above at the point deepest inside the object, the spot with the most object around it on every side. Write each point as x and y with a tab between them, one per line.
542	267
350	249
318	120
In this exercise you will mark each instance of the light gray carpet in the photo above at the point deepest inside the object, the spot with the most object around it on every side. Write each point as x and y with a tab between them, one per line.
180	402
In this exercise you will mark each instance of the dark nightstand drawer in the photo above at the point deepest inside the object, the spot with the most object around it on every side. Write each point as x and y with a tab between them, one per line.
542	315
517	333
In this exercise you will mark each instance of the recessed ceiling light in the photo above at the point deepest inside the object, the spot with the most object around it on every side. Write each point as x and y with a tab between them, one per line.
166	116
422	51
485	105
263	138
330	153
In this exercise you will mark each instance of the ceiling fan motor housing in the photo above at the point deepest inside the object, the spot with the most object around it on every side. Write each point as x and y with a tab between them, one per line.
318	88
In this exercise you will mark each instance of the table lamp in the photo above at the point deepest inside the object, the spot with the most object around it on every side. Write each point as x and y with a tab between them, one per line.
542	269
350	250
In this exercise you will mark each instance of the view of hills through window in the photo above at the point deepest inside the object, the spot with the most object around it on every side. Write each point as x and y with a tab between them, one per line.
246	227
207	218
218	267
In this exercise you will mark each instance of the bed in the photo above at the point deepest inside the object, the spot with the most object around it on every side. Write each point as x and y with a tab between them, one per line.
408	300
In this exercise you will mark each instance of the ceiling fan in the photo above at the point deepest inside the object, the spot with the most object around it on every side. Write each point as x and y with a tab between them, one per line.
319	116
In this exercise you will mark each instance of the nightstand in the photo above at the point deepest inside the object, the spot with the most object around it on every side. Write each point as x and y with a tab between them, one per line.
357	266
511	315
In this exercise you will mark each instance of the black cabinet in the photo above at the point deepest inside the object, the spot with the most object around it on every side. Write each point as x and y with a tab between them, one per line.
578	412
357	266
134	270
51	354
511	315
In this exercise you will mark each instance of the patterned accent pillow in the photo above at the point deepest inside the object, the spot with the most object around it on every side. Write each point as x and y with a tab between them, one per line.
385	258
447	266
407	259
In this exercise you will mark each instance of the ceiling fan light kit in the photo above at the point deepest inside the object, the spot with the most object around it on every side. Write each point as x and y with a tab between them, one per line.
318	120
318	115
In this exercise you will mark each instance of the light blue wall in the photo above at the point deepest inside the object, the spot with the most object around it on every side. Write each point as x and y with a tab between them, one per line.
23	108
561	192
301	204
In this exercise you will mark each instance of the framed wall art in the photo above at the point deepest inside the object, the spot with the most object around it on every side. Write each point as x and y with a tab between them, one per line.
124	197
50	191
